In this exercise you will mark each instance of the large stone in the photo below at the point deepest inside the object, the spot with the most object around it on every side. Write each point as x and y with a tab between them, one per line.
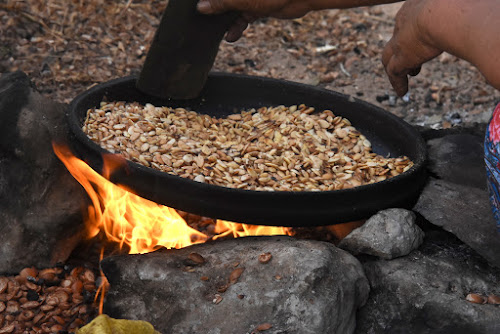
307	287
458	158
41	204
465	212
425	291
388	234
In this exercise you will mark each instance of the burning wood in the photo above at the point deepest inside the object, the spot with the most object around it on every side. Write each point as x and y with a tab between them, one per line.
139	224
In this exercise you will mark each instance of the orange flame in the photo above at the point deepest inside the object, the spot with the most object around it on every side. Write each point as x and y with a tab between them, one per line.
102	289
142	225
225	228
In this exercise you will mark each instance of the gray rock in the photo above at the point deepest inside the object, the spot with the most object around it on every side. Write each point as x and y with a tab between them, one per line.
40	202
458	158
465	212
425	291
307	287
388	234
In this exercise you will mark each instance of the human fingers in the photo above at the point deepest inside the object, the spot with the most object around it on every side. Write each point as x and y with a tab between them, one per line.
387	53
415	71
211	6
399	81
239	26
236	30
220	6
397	77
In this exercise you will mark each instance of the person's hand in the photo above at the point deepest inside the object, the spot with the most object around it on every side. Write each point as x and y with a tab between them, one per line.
253	9
410	45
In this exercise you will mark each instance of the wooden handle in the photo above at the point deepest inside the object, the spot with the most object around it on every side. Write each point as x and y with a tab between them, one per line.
183	51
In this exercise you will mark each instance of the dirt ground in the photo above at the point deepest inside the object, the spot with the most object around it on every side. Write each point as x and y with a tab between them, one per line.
68	46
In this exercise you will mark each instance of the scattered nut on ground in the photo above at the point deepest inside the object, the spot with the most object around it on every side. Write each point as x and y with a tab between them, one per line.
494	299
276	148
235	275
265	257
217	299
475	298
263	327
196	258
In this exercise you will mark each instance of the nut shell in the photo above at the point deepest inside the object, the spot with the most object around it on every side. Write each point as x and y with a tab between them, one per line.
265	257
475	298
494	299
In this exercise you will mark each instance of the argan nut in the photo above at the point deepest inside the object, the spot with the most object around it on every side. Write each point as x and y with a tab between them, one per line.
265	257
196	258
26	315
223	288
3	284
88	276
32	286
52	301
47	274
494	299
12	307
61	296
66	283
8	328
76	272
77	286
30	305
26	272
56	328
475	298
58	319
46	308
217	299
38	317
264	327
235	275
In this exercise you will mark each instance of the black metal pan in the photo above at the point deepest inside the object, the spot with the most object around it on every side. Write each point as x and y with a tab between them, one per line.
226	93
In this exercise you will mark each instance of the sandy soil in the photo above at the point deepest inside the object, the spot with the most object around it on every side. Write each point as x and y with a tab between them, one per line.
67	47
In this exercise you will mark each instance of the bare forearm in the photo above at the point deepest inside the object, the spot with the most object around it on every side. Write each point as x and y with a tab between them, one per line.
283	9
326	4
467	29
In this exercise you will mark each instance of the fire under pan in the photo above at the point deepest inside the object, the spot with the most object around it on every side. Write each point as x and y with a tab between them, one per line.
226	93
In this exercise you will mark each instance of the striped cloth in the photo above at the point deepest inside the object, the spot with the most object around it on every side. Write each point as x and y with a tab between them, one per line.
492	160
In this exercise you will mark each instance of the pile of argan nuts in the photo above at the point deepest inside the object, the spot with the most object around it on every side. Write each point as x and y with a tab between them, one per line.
271	149
53	300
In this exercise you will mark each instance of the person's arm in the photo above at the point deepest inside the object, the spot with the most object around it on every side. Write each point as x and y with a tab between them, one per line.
283	9
425	28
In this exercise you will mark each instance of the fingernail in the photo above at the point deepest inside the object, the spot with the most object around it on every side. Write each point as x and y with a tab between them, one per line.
204	6
231	37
